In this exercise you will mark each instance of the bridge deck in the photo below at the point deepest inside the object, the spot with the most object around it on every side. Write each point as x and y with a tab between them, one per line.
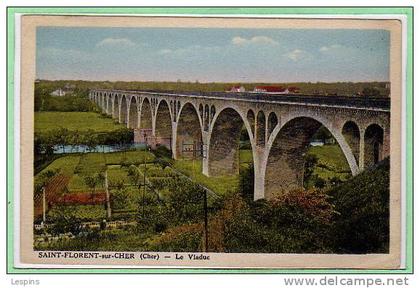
364	102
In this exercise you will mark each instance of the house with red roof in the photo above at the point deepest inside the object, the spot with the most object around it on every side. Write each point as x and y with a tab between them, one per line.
270	89
237	88
276	89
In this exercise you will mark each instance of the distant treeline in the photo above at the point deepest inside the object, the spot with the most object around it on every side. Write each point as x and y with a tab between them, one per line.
320	88
75	100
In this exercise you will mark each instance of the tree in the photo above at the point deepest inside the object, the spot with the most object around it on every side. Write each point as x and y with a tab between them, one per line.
91	140
362	224
100	178
135	175
246	182
91	182
185	200
310	162
371	91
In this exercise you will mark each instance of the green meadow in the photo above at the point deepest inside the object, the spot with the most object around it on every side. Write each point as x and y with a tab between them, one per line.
79	121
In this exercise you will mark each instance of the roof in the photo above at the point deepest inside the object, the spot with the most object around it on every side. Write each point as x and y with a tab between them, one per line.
271	88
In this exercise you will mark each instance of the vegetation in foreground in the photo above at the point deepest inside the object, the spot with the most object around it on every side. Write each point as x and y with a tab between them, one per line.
352	217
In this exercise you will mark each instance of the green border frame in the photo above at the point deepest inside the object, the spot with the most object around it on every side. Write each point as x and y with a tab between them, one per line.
168	11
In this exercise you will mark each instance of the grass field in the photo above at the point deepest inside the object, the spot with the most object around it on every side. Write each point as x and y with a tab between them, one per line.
331	162
220	185
330	155
80	121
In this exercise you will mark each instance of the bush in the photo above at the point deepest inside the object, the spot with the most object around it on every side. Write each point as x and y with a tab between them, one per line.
246	182
63	222
163	152
362	225
119	199
185	200
296	222
185	238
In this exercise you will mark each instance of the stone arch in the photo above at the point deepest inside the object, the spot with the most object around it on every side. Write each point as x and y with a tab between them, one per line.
103	101
123	110
201	111
188	133
351	133
109	109
133	115
115	112
178	106
212	113
374	141
251	120
223	152
260	131
173	110
206	118
146	115
287	146
163	125
272	123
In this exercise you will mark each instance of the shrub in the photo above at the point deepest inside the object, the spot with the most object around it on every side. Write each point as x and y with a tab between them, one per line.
296	222
184	238
362	225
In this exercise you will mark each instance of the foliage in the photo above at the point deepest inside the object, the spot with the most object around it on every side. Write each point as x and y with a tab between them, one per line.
119	199
135	175
46	140
97	240
331	167
163	152
246	182
183	238
76	100
322	134
371	91
185	200
362	225
64	221
296	222
310	161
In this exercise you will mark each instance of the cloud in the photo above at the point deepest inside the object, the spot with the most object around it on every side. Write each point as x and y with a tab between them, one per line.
325	49
165	51
63	54
260	40
194	50
296	55
113	42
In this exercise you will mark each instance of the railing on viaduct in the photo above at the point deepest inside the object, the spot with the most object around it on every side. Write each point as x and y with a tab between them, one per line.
279	127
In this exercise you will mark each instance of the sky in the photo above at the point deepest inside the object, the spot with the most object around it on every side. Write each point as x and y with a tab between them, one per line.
212	54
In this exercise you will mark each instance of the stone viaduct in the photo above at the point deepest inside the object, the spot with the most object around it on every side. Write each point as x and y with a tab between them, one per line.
280	128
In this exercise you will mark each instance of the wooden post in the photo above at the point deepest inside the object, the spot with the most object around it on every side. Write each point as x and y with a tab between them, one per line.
44	206
108	204
206	230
